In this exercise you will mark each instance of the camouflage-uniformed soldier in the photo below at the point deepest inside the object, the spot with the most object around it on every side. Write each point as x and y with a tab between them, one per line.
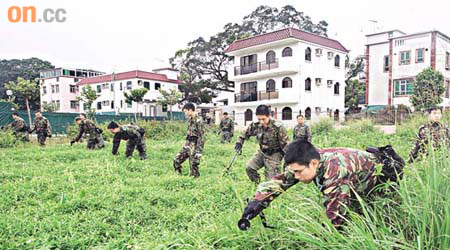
301	130
273	139
195	140
20	128
226	128
95	134
433	130
337	172
134	136
42	127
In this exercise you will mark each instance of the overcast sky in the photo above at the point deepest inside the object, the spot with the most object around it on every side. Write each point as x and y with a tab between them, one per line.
126	35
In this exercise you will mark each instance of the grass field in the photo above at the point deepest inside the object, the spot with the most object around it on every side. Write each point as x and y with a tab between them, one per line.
62	197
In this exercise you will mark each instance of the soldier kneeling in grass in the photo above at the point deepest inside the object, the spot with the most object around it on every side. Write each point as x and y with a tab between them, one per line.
339	173
134	136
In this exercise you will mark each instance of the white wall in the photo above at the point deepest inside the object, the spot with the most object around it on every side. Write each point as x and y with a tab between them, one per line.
64	96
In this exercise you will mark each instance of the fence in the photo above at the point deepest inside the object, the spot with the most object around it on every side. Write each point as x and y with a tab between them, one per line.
60	121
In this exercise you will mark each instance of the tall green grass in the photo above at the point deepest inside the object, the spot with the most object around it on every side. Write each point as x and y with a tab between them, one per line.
62	197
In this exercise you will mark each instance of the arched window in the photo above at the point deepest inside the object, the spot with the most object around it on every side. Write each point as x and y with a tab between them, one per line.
337	61
286	113
287	82
286	52
248	115
270	57
336	88
270	85
308	113
308	54
336	115
308	84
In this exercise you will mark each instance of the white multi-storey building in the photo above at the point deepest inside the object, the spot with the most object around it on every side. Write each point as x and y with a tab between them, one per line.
59	86
292	71
393	60
111	88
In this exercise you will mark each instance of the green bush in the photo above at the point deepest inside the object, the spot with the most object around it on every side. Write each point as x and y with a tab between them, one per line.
7	139
362	126
323	126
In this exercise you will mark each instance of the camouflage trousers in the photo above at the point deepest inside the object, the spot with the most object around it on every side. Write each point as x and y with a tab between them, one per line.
95	141
191	151
271	164
139	144
226	136
42	137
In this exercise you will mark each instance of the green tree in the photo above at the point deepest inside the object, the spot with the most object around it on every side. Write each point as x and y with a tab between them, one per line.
28	69
137	96
88	95
428	89
354	90
49	107
24	90
169	98
207	60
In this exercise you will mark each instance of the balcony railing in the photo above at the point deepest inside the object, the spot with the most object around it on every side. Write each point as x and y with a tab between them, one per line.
257	67
256	96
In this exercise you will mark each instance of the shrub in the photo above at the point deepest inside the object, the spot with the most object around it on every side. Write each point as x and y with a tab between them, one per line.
325	125
7	139
362	126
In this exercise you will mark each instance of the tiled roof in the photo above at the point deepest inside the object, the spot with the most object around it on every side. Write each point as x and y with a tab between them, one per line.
127	75
284	34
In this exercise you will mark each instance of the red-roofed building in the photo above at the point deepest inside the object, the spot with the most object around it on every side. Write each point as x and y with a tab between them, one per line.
292	71
111	89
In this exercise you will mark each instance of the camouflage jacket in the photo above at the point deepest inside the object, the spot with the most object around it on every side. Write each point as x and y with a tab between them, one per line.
19	125
437	132
196	130
274	137
340	171
42	126
89	127
302	132
127	132
227	124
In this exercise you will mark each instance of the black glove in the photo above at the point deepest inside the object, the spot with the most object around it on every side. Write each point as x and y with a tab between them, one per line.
238	146
72	142
253	209
49	135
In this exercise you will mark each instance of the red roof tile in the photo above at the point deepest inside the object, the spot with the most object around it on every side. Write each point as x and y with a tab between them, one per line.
127	75
284	34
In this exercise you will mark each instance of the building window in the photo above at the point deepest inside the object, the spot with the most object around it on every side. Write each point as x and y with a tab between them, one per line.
147	85
420	57
318	110
99	88
44	90
447	89
318	81
120	86
308	84
270	57
57	88
105	103
337	61
330	55
105	86
336	88
129	83
57	79
286	52
308	54
399	43
308	113
58	105
121	103
112	86
286	114
76	80
53	89
287	82
248	116
73	89
112	104
329	83
270	85
74	104
157	85
405	57
336	115
164	108
99	105
447	61
386	64
318	52
403	87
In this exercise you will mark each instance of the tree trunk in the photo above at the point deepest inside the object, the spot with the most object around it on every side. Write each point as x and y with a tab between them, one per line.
29	113
135	114
171	113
